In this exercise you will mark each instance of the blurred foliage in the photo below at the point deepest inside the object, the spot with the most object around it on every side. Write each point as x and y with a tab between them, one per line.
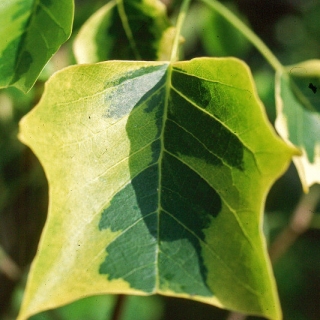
292	30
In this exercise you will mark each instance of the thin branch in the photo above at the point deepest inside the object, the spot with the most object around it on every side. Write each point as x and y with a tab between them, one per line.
299	223
9	267
118	308
181	17
236	316
54	314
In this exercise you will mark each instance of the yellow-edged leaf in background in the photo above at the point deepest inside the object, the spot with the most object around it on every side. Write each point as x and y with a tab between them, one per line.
298	118
126	30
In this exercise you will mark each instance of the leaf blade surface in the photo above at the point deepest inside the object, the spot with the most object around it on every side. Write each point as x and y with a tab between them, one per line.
158	173
31	32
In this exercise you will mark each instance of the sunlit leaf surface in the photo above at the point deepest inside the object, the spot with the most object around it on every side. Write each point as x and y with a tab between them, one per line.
158	174
126	30
298	118
31	31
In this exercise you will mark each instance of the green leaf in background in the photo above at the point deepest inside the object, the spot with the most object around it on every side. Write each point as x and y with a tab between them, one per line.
126	30
158	174
31	31
298	118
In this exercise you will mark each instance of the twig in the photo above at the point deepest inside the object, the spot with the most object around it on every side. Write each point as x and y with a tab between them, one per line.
181	18
54	314
118	308
236	316
9	267
299	223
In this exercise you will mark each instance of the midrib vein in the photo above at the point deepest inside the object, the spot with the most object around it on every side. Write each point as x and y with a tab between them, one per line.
127	28
162	150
